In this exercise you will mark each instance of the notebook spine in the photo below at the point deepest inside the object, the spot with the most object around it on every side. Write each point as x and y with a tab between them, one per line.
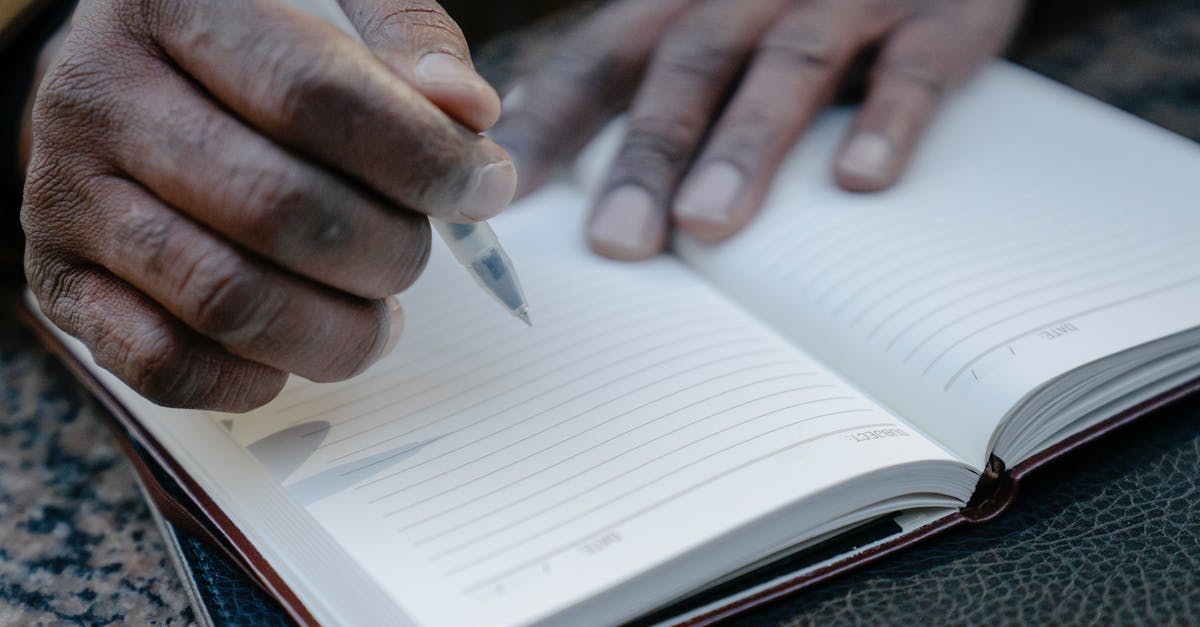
994	493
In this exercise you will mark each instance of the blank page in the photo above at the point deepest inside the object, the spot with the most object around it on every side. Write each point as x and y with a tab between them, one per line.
491	473
1037	231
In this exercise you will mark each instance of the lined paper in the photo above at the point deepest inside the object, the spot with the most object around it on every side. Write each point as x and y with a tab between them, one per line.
950	301
498	460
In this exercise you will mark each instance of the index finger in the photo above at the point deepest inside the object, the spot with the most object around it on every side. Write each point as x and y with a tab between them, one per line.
316	90
557	109
422	44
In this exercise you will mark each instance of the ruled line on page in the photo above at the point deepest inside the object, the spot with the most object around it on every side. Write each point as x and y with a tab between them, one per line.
513	503
939	216
1041	305
391	493
861	259
311	393
612	400
602	463
474	336
1088	273
512	425
474	540
601	313
808	266
971	362
782	243
887	240
896	278
527	357
429	518
427	344
1080	253
478	584
658	331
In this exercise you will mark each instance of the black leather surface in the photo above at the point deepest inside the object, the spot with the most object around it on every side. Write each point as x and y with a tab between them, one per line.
231	599
1111	535
228	595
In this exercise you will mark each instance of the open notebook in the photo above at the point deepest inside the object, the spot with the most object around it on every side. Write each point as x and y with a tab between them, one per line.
667	426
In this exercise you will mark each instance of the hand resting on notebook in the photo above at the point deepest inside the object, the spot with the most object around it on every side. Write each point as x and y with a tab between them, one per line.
719	90
220	193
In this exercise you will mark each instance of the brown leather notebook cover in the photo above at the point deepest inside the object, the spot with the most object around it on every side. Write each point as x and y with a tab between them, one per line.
186	505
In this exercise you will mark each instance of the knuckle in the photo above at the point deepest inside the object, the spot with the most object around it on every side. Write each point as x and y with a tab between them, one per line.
173	371
229	300
158	366
798	48
697	52
756	114
657	145
148	233
413	252
352	359
921	72
74	94
46	202
352	347
397	23
62	194
154	16
57	284
750	129
284	209
43	188
309	94
248	387
322	228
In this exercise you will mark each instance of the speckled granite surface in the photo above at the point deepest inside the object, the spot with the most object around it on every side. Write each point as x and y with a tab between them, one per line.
77	544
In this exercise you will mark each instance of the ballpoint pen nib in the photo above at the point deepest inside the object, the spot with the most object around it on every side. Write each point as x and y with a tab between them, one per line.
524	316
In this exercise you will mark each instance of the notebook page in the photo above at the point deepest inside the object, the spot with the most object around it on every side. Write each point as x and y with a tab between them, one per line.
493	474
296	547
1037	231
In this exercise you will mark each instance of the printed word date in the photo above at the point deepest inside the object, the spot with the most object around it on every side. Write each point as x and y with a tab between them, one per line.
600	543
1054	333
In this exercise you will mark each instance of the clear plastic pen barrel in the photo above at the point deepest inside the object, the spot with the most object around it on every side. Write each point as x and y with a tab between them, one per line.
475	246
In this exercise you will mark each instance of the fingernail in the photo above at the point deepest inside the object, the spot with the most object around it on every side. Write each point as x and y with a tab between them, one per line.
868	155
397	326
444	68
627	223
494	187
709	196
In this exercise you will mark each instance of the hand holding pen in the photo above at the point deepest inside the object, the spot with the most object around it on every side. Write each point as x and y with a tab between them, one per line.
473	244
258	186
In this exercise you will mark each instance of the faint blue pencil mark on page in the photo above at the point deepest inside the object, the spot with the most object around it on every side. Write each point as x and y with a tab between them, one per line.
284	452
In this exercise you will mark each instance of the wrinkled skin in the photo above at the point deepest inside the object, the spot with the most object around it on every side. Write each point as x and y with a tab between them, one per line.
719	90
222	192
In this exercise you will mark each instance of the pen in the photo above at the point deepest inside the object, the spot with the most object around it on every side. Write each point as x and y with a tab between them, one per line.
474	244
475	247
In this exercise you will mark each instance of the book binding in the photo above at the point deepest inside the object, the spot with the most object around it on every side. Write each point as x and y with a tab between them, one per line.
187	506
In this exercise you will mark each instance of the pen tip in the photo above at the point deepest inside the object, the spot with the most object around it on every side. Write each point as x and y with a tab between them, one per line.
524	316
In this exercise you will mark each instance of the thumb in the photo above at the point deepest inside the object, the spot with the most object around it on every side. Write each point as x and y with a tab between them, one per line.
419	41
